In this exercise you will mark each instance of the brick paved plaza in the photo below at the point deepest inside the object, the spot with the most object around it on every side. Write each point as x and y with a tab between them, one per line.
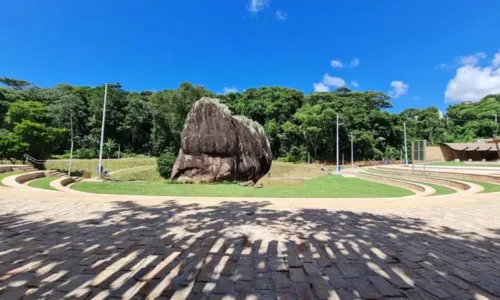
50	249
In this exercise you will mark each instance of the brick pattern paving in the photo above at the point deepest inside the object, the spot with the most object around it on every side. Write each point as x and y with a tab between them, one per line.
242	250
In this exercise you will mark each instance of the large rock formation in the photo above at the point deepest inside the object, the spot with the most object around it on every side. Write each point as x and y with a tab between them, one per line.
216	146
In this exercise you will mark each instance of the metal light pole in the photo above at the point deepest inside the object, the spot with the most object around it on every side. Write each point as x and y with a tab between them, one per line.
71	151
102	132
352	150
337	140
406	147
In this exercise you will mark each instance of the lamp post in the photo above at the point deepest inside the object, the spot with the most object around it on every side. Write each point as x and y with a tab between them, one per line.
102	132
352	150
337	140
71	151
406	147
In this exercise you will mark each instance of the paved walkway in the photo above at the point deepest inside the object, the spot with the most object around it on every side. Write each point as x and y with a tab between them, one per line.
55	245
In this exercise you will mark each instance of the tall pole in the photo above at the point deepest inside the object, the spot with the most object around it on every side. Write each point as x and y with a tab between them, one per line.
352	150
102	132
406	147
337	140
71	151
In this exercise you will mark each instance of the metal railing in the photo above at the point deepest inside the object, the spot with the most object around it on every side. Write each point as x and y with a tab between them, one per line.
37	163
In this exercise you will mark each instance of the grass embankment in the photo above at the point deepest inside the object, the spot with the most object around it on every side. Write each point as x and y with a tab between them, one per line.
462	164
323	187
42	183
90	165
281	174
7	174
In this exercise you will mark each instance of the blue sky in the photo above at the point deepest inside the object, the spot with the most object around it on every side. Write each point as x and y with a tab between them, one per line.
424	48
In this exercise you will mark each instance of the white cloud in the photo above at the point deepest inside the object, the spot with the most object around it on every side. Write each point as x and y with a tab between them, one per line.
354	62
444	66
228	90
354	83
471	59
440	114
336	64
496	60
333	81
399	88
320	87
257	5
281	15
472	83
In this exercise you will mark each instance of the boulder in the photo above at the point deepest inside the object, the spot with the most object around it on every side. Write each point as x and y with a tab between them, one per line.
217	146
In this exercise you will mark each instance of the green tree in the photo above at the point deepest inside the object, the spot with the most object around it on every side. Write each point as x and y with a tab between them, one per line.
37	139
11	146
20	111
16	84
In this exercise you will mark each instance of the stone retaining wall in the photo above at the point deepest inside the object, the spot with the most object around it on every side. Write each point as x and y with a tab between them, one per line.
30	176
4	169
67	181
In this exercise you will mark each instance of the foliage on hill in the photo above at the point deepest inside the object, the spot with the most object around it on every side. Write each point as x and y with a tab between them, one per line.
37	120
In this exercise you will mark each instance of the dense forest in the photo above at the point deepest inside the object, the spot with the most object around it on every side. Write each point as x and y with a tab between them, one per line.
37	121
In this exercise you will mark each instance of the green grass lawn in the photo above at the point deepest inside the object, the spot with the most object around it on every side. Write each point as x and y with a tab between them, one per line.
42	183
322	187
462	164
7	174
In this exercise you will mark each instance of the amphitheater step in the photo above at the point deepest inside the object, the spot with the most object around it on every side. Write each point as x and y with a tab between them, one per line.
418	188
457	185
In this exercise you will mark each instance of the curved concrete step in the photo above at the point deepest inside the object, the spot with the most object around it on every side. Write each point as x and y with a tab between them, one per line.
18	180
453	174
62	183
419	189
457	185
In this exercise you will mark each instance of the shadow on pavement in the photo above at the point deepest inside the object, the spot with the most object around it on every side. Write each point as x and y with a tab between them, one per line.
244	250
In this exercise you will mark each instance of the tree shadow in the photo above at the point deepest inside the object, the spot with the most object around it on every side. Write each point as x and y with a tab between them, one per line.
242	249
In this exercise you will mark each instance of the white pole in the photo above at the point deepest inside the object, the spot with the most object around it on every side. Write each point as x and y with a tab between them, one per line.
71	151
337	140
352	150
406	147
102	132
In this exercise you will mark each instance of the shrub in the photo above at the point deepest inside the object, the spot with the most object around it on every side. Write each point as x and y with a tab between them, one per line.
296	155
84	153
165	163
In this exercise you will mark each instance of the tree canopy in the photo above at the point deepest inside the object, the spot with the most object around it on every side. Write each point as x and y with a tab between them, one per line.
37	121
